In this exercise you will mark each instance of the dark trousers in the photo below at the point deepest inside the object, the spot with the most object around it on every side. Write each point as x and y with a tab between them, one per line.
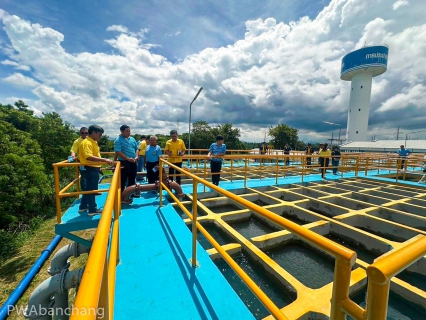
141	163
215	166
128	174
308	161
323	165
335	164
173	171
91	175
402	164
287	159
150	174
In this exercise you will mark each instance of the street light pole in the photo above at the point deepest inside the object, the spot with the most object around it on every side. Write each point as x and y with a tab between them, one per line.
189	123
340	129
406	136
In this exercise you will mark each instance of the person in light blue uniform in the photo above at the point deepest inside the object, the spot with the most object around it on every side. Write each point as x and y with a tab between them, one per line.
126	150
403	154
152	157
216	151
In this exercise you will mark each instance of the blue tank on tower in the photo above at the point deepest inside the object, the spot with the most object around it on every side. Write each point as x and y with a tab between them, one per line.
359	67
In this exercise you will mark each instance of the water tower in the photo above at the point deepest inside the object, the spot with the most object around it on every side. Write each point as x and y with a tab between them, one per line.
359	67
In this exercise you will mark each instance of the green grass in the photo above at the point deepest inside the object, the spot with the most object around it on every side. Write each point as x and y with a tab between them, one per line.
13	269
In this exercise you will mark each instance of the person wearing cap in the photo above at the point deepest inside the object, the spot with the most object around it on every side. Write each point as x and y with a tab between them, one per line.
175	149
335	159
403	154
309	151
216	151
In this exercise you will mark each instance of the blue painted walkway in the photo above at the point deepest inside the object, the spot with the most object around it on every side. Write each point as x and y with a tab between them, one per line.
155	279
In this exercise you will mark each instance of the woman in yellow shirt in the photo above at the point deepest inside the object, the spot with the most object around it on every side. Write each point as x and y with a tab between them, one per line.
324	159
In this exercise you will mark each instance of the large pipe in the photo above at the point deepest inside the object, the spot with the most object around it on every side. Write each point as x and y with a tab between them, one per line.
133	191
9	305
41	299
60	259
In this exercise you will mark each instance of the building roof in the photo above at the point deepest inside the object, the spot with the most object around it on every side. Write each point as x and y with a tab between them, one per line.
385	145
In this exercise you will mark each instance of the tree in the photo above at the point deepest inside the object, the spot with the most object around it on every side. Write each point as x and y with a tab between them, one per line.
202	135
230	135
55	138
24	186
282	134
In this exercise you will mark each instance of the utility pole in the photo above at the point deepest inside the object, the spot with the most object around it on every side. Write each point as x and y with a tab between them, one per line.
397	134
332	139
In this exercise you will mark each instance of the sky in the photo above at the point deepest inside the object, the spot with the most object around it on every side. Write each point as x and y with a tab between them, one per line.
260	63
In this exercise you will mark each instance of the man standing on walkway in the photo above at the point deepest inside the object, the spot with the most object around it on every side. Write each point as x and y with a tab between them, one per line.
309	151
126	150
74	153
152	157
141	161
216	152
88	152
287	150
403	154
175	149
335	159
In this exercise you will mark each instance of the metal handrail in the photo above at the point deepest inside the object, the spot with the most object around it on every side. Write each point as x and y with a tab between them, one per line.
98	282
345	258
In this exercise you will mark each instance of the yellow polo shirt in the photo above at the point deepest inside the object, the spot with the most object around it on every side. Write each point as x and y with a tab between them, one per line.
325	154
88	148
174	147
76	145
142	148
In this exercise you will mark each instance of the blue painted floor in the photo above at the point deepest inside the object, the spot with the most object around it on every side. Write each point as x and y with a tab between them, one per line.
155	279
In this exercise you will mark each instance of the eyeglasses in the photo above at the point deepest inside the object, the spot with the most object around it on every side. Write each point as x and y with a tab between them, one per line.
84	132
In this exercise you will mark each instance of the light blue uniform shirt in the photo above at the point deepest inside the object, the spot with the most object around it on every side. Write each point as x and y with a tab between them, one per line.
153	153
215	149
403	153
127	146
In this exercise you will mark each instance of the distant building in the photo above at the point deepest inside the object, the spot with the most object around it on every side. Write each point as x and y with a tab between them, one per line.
385	146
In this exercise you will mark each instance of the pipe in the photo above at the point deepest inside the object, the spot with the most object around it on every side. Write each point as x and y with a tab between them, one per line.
9	305
60	259
134	191
40	303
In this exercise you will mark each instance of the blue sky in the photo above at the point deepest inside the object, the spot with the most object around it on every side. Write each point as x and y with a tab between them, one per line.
260	63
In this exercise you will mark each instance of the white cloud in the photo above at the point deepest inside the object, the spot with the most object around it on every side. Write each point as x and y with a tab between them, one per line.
400	3
19	79
118	28
277	73
16	65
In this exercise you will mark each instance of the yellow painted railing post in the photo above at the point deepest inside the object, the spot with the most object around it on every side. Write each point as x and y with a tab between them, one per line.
160	185
341	281
194	224
245	172
260	168
303	167
103	297
232	167
57	198
276	169
356	166
77	178
204	174
366	166
377	300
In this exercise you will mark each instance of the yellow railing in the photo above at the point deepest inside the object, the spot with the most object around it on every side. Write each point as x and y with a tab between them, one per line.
98	284
344	258
95	296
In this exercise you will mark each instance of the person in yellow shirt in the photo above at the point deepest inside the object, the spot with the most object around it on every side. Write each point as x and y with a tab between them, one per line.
324	159
74	153
175	149
88	153
74	149
142	151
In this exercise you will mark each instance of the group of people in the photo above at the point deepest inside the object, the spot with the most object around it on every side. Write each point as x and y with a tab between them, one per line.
134	157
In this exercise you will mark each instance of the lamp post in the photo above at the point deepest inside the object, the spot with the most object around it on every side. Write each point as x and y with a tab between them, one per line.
189	123
340	129
406	136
